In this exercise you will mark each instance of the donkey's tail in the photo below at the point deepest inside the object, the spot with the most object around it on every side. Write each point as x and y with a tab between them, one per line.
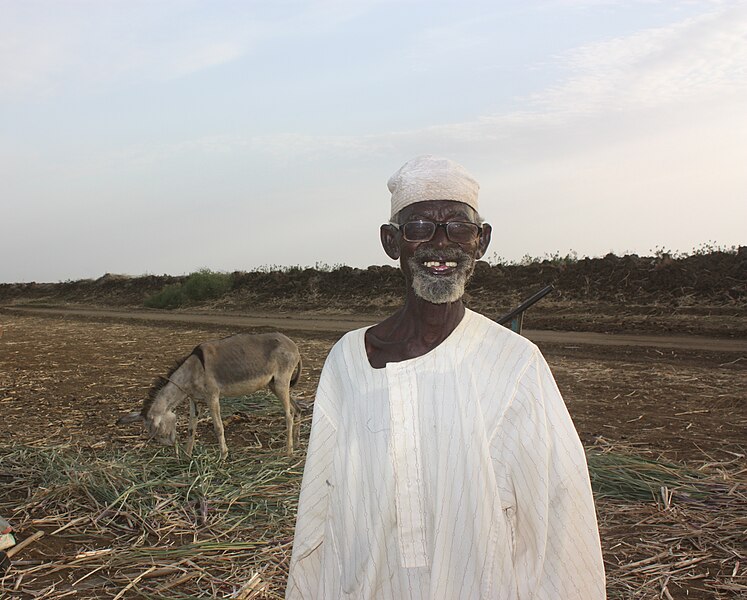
297	372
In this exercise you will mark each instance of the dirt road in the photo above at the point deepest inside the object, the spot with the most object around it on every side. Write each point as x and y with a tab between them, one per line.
342	323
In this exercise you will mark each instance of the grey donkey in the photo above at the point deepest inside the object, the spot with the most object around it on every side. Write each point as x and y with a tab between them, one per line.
233	366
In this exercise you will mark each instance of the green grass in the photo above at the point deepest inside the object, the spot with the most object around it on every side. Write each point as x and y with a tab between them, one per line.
634	479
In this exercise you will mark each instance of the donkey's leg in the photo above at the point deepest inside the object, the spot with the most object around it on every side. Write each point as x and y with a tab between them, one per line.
214	406
296	409
192	429
281	388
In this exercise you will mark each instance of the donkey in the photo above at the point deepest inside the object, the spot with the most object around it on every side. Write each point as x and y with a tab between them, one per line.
233	366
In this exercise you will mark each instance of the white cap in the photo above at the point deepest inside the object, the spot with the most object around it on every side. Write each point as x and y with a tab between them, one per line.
432	178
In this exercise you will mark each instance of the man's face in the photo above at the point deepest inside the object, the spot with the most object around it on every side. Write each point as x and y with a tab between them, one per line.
437	269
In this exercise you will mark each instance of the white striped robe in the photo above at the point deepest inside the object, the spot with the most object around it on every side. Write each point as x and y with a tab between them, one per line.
454	475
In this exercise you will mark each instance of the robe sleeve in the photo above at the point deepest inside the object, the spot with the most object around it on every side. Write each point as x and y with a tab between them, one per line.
557	553
306	559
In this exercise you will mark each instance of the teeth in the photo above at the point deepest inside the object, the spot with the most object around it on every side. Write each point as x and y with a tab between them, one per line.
436	263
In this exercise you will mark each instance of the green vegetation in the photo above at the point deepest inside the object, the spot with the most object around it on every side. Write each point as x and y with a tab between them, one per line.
172	296
206	284
635	479
199	286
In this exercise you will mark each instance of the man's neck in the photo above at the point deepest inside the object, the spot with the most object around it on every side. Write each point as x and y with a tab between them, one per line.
414	330
430	323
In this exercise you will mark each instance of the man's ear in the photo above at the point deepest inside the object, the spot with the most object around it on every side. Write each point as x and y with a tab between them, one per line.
390	241
484	241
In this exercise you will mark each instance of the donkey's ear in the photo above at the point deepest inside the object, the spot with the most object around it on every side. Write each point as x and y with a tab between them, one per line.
130	418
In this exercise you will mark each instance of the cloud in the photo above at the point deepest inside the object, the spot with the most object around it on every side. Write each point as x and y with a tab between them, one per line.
48	47
667	78
437	49
208	55
697	59
620	91
30	57
658	78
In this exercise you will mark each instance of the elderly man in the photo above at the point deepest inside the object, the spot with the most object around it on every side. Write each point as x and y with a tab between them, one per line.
442	461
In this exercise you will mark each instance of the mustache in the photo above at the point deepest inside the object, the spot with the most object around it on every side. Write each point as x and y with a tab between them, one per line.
455	254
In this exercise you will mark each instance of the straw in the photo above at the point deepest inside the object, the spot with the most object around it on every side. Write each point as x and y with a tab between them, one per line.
142	521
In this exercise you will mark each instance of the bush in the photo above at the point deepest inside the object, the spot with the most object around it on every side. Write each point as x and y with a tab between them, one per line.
206	284
172	296
200	285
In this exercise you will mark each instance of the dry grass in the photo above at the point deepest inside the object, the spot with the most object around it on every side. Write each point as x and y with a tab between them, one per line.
146	522
120	519
668	530
678	551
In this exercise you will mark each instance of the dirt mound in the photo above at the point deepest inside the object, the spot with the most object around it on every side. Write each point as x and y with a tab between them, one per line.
716	280
108	290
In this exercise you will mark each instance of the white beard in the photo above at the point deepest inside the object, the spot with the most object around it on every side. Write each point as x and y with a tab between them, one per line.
440	289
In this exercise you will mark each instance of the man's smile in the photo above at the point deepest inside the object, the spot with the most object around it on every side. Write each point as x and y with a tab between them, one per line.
440	267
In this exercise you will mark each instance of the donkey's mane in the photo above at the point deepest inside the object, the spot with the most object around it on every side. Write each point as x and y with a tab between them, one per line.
160	381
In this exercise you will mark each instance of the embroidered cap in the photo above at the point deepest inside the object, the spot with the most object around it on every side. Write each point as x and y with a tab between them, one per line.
432	178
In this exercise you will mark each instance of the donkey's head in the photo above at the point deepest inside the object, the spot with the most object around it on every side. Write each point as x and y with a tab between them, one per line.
160	427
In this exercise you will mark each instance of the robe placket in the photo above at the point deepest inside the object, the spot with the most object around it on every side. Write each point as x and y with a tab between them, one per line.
407	464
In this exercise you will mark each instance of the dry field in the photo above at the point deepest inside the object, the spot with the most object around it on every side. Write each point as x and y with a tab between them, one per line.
108	516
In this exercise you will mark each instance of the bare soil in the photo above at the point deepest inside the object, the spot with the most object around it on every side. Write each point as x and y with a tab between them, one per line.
65	377
687	394
649	352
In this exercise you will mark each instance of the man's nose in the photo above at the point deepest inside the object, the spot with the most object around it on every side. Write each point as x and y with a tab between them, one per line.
439	237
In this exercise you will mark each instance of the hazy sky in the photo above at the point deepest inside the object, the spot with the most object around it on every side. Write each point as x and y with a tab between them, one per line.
163	136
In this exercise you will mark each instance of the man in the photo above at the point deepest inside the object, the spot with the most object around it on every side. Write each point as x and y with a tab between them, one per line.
442	462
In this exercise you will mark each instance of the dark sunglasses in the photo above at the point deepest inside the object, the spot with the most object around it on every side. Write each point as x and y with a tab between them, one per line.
460	232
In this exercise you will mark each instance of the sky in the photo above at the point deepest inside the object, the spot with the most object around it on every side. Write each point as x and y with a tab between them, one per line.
166	136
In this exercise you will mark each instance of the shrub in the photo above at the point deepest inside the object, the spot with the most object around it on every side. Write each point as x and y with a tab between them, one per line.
200	285
172	296
206	284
